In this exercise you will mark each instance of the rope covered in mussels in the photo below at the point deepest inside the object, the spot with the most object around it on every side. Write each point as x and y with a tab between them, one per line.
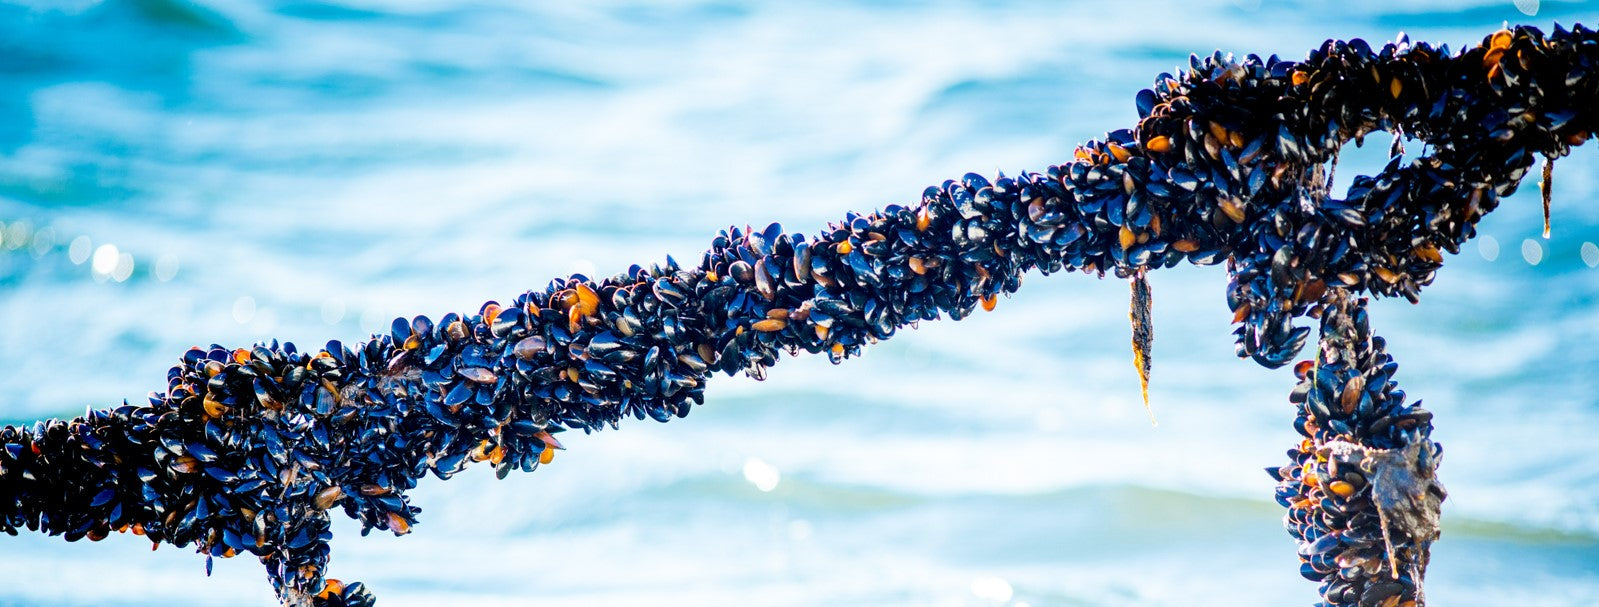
248	450
1361	492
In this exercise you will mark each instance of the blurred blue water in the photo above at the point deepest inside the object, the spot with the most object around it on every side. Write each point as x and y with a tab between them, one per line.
309	170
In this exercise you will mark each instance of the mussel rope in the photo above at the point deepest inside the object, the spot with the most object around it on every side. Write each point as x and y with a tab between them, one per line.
247	450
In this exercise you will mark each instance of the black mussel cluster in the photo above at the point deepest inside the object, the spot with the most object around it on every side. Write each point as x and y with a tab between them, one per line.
1360	488
1241	152
246	451
339	594
249	450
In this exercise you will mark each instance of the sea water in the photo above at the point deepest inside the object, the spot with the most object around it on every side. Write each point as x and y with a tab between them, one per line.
176	174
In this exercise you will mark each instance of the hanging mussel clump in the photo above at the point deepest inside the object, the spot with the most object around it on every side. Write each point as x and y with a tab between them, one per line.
252	449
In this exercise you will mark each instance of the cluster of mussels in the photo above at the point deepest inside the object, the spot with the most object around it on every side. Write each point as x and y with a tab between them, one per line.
248	450
1361	491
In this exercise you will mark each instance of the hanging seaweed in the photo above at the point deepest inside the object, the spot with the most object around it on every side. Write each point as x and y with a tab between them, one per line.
1143	335
251	450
